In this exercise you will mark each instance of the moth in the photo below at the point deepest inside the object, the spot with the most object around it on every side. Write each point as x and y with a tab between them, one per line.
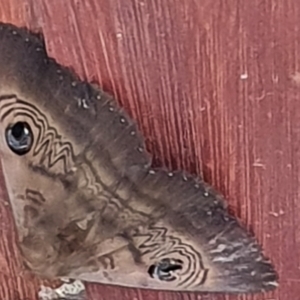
86	201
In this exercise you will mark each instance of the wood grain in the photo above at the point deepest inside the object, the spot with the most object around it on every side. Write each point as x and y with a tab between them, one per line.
214	87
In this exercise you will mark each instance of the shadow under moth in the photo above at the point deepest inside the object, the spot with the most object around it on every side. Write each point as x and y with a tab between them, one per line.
86	201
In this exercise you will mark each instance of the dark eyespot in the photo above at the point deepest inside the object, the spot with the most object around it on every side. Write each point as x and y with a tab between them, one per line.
165	269
19	138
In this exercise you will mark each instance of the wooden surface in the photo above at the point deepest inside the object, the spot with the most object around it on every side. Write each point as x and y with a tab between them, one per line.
214	87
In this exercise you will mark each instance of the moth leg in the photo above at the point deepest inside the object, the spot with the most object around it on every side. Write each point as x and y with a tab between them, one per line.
70	290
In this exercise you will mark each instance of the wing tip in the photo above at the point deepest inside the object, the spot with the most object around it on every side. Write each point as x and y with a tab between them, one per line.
259	277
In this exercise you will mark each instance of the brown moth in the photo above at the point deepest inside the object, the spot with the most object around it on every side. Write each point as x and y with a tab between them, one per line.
86	202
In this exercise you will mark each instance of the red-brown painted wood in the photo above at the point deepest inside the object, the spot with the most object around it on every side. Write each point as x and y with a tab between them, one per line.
214	87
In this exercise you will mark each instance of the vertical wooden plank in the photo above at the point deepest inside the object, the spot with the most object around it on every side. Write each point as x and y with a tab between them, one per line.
214	86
